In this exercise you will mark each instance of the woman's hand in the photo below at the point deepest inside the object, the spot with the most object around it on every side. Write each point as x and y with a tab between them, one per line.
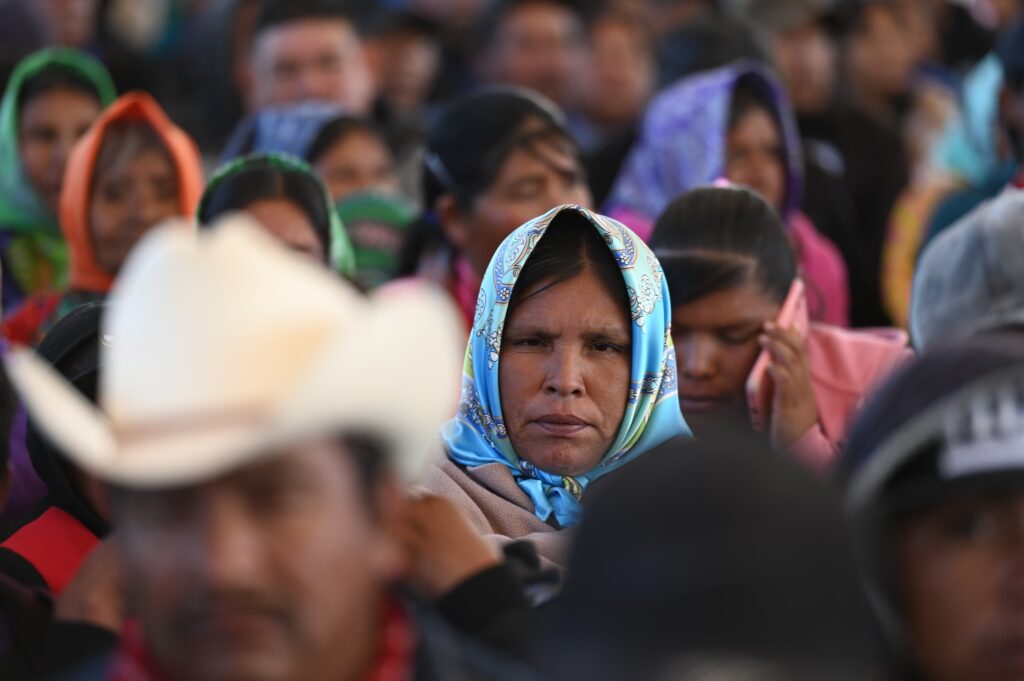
794	410
444	548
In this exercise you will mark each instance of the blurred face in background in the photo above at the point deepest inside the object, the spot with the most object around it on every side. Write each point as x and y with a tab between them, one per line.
406	64
135	186
358	162
959	569
533	179
539	45
48	127
881	53
806	59
71	23
754	155
320	60
620	72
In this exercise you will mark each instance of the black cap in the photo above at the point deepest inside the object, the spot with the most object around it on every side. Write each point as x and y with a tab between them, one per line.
950	423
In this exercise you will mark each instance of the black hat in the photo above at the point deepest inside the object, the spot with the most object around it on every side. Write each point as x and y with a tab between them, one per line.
950	423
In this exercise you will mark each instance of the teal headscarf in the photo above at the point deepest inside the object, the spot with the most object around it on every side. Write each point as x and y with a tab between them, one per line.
21	209
477	435
341	255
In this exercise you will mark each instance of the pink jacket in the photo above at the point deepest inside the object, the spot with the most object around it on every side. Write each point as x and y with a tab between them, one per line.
845	366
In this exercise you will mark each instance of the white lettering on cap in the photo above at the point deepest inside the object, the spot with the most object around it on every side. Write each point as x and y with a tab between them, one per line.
987	437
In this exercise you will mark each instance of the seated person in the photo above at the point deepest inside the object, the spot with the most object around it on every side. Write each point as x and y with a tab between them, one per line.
348	152
132	169
569	375
51	99
934	487
260	547
720	555
733	123
729	267
495	159
284	195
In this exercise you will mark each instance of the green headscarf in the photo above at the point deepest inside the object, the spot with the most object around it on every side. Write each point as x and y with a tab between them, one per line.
341	255
21	208
35	257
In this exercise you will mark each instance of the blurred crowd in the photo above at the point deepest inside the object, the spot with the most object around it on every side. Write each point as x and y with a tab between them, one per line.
407	340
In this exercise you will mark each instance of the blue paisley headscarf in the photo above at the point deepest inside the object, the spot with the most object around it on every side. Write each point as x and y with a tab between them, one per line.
477	435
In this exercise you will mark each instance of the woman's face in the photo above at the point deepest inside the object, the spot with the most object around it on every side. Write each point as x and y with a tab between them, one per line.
127	199
529	183
48	127
358	162
754	156
716	340
289	224
564	374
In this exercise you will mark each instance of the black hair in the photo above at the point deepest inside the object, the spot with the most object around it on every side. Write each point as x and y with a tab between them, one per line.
337	130
714	238
277	13
570	246
466	148
8	406
1010	51
471	139
497	11
751	93
268	181
405	22
55	77
709	43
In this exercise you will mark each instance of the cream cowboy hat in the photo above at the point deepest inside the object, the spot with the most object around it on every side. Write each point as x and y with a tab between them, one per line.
224	346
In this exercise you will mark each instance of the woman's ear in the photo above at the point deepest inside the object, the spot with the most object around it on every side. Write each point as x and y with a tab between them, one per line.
453	221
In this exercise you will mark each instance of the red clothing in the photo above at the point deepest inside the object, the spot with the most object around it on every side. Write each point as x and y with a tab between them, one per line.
54	544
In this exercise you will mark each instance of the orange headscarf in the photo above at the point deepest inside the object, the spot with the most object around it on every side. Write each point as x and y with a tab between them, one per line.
85	274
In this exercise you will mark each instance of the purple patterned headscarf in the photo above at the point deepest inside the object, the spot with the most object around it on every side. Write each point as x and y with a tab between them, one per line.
681	143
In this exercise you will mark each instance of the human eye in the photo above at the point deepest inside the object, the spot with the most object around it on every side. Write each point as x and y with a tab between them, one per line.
970	524
527	342
605	347
739	336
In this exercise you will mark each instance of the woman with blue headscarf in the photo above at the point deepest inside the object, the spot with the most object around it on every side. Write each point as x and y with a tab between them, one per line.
569	374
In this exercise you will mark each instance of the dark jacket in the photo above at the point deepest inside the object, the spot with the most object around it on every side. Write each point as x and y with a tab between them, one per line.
44	548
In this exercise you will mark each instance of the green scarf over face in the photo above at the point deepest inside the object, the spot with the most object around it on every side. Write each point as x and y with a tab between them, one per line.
37	255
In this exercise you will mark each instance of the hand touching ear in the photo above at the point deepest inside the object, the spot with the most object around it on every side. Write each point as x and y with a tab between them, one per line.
444	548
794	410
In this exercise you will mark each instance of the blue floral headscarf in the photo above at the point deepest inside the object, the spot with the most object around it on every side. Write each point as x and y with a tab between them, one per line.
477	435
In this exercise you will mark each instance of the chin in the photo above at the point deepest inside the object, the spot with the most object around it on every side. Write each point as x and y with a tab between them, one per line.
562	460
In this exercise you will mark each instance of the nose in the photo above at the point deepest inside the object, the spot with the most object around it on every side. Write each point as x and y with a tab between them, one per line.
564	375
148	209
226	548
695	358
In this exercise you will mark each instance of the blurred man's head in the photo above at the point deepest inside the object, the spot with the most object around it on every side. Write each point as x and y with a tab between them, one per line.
934	482
273	571
254	497
538	44
308	50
